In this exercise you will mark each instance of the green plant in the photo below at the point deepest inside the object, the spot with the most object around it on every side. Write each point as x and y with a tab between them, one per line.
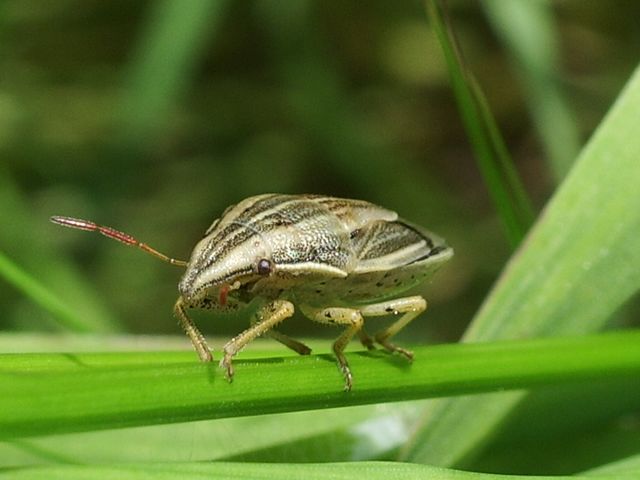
574	271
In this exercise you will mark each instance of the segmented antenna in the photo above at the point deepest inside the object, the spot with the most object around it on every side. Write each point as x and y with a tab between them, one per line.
114	234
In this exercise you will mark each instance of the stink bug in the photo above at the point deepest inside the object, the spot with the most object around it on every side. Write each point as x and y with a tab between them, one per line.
339	260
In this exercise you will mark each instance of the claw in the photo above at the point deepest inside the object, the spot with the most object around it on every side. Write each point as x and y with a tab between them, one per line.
304	351
408	354
346	371
366	340
227	365
348	378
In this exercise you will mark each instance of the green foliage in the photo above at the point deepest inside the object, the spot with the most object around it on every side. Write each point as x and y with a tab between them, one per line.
507	192
61	311
579	266
337	471
47	393
529	32
155	117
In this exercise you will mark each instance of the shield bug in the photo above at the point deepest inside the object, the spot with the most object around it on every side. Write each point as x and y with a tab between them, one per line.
339	260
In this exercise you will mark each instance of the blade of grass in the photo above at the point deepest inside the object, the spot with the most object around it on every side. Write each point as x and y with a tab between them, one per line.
103	392
163	62
65	316
496	166
528	31
589	448
355	433
596	419
627	466
205	440
25	238
308	471
580	264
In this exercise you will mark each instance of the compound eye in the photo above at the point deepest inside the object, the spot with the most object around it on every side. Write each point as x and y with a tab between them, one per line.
265	266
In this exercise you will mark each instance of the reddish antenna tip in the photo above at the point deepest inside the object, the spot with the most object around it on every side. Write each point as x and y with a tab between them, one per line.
74	223
114	234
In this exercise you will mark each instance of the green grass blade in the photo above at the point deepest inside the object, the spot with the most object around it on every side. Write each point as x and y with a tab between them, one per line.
162	65
281	437
39	395
496	166
308	471
26	240
64	315
628	466
529	32
580	263
593	418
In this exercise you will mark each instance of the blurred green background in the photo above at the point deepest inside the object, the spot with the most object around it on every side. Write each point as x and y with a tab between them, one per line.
153	117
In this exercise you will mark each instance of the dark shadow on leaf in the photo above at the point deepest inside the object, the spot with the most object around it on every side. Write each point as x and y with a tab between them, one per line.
75	359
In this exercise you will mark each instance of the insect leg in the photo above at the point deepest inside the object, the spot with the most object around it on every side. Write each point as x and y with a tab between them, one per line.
410	306
339	316
268	316
286	340
293	344
190	328
366	340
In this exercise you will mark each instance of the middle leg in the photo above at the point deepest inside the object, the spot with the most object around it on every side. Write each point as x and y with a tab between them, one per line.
286	340
349	317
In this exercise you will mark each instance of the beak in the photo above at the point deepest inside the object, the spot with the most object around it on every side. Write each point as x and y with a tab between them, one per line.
224	292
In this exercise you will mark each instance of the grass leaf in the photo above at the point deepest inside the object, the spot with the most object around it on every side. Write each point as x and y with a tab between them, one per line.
54	393
39	271
162	66
308	471
65	315
578	266
529	32
496	166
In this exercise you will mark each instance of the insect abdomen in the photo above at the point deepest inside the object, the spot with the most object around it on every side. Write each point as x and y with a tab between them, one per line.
392	257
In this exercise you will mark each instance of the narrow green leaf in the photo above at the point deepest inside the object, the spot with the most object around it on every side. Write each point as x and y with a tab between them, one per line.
25	239
308	471
580	263
595	418
41	295
39	395
496	166
162	65
356	433
529	33
628	466
229	438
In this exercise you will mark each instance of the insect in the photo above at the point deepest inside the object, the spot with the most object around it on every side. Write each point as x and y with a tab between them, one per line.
339	260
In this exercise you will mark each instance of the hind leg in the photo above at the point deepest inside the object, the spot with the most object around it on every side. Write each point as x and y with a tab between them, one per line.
411	307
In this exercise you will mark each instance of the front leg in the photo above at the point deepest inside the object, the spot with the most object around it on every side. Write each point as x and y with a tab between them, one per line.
197	339
268	316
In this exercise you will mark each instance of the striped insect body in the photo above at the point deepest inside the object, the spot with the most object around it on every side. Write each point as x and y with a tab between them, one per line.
338	260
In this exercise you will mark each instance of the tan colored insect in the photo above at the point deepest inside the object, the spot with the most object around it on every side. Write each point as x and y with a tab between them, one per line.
339	260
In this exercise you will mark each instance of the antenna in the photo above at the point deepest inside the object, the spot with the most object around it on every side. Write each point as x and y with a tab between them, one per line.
114	234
